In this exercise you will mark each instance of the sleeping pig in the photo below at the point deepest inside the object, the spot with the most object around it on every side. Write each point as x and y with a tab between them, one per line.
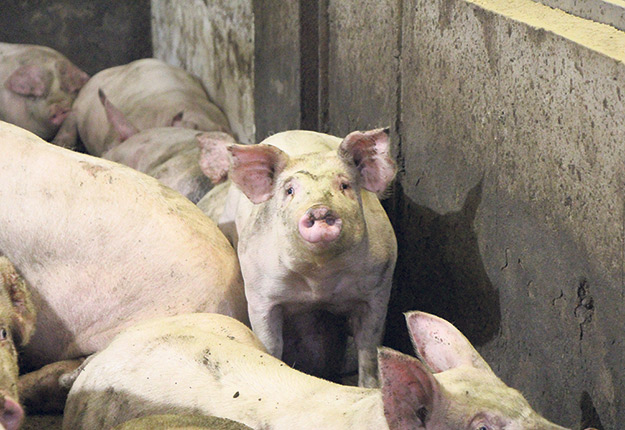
169	154
148	93
17	322
213	365
37	87
104	246
303	212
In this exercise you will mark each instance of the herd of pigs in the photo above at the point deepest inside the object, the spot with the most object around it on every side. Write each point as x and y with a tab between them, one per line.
129	275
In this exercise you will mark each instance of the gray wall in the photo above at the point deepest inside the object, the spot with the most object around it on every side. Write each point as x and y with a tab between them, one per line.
509	206
94	35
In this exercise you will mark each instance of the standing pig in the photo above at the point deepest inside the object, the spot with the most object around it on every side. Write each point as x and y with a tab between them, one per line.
17	322
302	211
104	246
213	365
38	86
169	154
149	93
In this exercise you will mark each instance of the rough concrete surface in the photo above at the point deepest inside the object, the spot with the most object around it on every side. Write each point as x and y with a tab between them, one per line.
510	208
215	42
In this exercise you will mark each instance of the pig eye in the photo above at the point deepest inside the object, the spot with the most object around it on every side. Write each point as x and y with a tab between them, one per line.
3	334
290	191
344	186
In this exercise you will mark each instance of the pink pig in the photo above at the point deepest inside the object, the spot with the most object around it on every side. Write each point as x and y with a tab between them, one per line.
37	87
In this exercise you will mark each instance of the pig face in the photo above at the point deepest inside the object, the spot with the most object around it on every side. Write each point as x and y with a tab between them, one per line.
316	197
17	322
453	386
41	92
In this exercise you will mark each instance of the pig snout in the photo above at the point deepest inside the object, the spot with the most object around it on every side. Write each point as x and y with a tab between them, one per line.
11	413
58	114
320	224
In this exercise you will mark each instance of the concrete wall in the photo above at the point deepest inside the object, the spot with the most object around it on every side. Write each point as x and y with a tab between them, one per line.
509	206
246	53
94	35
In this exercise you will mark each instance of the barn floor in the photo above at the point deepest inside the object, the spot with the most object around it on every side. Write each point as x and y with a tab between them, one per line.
43	422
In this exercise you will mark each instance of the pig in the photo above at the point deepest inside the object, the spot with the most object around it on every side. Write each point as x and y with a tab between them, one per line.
182	422
104	246
212	364
149	93
17	322
38	87
302	210
170	154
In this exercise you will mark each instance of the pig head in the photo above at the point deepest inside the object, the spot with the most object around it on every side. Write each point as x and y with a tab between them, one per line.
17	323
451	387
37	87
309	230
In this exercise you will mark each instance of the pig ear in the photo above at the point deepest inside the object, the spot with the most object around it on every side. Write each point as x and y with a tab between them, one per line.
120	123
23	312
72	78
441	345
409	391
369	151
214	155
254	169
30	80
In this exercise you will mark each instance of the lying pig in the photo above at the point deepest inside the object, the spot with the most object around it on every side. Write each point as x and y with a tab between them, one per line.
149	93
17	322
182	422
302	211
170	154
38	87
104	246
214	365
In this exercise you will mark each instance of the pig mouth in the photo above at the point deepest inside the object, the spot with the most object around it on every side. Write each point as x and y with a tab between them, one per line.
320	225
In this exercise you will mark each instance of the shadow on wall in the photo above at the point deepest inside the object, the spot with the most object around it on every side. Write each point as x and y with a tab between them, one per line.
440	270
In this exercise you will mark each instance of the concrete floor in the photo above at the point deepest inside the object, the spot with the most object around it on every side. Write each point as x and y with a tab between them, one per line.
41	422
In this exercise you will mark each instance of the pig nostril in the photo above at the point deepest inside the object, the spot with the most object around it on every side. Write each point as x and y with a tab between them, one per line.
330	220
309	222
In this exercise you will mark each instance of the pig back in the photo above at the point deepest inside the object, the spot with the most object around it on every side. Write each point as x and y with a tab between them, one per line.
105	246
150	93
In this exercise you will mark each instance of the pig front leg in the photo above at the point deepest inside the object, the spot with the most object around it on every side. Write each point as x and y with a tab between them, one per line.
367	323
267	321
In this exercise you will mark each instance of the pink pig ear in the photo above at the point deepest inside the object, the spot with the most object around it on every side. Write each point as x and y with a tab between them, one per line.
441	345
254	169
369	151
30	80
116	118
409	391
72	78
214	155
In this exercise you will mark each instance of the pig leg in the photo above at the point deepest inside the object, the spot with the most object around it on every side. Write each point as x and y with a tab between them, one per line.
267	321
40	390
367	322
67	136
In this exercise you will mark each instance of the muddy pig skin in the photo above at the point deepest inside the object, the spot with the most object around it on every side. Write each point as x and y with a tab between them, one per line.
104	246
301	209
37	87
214	365
182	422
149	93
17	322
